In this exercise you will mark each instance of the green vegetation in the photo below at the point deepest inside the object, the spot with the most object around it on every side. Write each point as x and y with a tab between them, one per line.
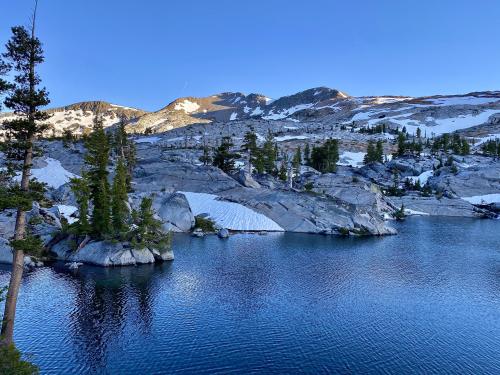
453	143
491	148
400	214
205	224
148	232
223	158
374	153
25	97
111	217
324	158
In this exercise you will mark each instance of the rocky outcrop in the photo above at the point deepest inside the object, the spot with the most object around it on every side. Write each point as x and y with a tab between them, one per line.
108	254
309	212
433	206
246	179
174	211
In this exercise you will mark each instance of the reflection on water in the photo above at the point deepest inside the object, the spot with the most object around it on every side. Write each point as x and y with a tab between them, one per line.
425	301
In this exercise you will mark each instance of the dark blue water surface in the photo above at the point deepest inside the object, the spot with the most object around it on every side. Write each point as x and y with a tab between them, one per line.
425	301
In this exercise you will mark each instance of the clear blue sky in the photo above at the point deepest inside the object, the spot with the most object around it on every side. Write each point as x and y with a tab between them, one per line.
147	53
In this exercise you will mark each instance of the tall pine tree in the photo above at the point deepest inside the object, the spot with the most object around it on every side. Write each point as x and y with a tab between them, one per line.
96	161
119	208
25	98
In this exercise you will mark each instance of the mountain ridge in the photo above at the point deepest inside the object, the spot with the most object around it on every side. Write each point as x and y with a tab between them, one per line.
315	104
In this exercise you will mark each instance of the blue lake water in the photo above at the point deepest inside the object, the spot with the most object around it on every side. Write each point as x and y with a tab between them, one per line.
425	301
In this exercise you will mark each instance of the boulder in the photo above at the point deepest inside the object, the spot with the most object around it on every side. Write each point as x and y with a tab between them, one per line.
102	253
223	233
246	179
163	255
142	256
175	213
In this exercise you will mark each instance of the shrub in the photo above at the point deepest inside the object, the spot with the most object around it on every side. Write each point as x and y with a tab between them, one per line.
309	186
203	223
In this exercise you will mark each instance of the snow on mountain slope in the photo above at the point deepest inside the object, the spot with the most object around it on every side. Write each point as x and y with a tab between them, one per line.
78	118
216	108
433	114
229	215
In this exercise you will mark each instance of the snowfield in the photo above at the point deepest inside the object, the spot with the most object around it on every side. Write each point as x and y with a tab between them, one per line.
290	138
354	159
147	140
187	106
286	112
229	215
422	178
483	199
66	212
53	174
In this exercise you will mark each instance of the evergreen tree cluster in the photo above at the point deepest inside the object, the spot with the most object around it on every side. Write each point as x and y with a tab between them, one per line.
377	129
223	157
413	147
491	148
104	211
453	143
324	158
374	153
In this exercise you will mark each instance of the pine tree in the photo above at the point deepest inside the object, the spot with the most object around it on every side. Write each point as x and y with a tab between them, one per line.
324	158
119	198
24	53
249	142
370	153
269	154
259	162
379	152
282	174
81	189
297	160
223	157
124	147
205	158
401	144
148	232
250	145
307	154
96	161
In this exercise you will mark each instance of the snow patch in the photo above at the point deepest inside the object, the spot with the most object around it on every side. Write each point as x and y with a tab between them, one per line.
53	174
422	178
229	215
233	117
66	212
353	159
290	137
187	106
483	199
147	140
286	112
410	212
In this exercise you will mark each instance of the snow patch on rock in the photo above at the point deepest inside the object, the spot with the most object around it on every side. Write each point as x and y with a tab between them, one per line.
229	215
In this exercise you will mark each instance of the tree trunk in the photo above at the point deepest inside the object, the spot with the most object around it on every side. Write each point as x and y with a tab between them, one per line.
7	333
